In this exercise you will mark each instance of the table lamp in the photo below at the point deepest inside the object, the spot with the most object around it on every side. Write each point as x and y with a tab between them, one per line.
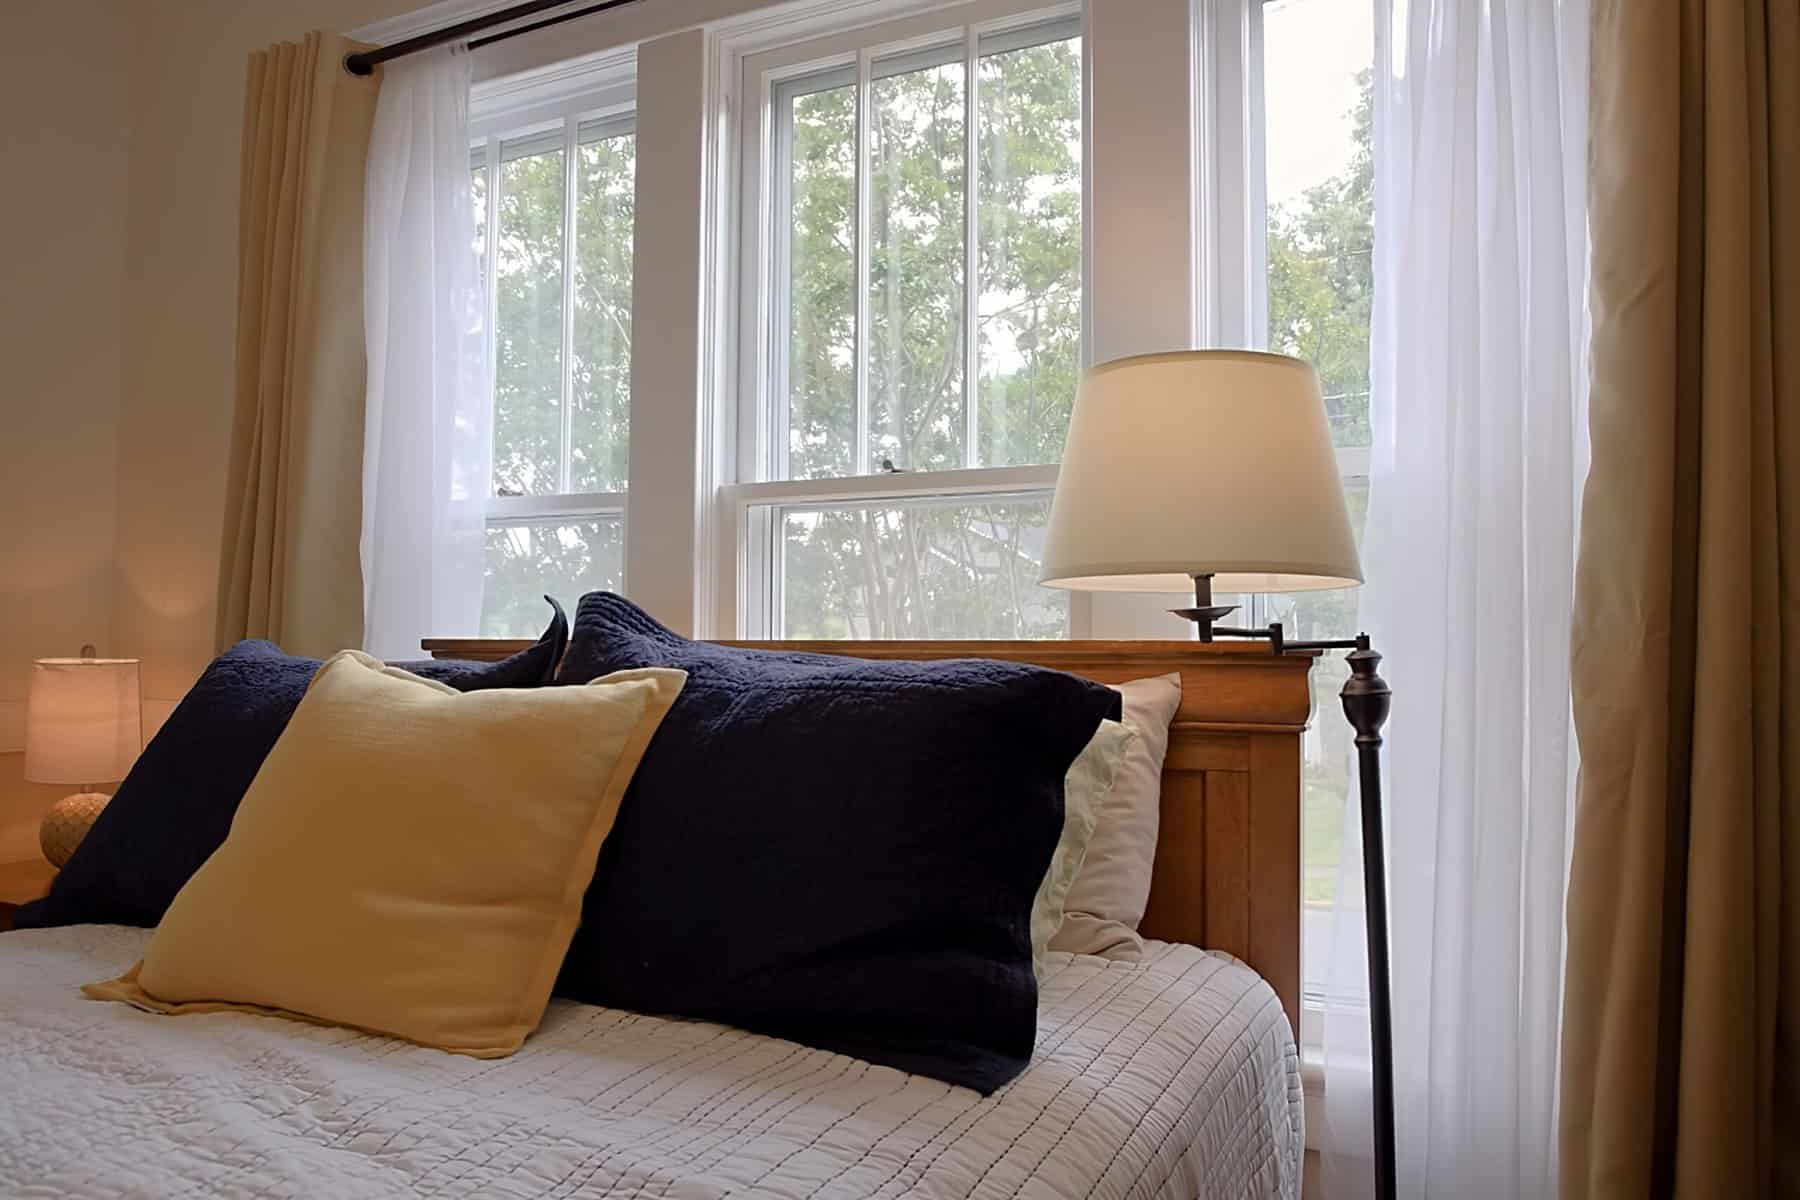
82	726
1214	469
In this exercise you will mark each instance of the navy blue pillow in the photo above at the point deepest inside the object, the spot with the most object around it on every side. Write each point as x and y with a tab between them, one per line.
832	850
175	807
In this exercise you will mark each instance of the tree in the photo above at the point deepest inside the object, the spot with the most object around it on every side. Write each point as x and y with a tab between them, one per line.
567	557
902	569
1321	291
1322	281
933	569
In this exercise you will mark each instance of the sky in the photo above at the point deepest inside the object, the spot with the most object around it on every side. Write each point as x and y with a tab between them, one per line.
1312	50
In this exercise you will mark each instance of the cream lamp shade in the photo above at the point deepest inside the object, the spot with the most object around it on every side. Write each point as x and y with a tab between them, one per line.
82	720
1195	463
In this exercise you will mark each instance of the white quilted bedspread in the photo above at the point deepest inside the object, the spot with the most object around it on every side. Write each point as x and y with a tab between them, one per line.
1175	1078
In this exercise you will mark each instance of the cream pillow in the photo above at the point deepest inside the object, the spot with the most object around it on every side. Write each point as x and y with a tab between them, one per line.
1106	902
410	859
1085	787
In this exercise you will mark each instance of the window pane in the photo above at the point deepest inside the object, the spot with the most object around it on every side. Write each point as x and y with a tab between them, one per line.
1317	56
528	256
916	252
564	557
818	327
1030	233
953	568
1317	59
1328	750
605	177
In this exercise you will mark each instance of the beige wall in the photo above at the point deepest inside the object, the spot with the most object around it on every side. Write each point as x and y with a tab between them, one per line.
116	325
180	297
64	81
180	292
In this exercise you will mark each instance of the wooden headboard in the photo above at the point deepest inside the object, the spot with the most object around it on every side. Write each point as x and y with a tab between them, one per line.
1228	855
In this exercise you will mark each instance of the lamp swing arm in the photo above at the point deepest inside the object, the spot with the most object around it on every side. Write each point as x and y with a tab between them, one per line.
1280	644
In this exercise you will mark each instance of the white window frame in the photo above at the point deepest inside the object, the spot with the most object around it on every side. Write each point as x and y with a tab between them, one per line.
1233	172
1188	149
565	106
749	596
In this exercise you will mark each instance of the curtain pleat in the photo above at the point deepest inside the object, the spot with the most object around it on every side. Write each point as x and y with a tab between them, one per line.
289	568
1682	1009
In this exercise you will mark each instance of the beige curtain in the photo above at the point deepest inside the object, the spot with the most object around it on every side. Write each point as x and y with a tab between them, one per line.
289	568
1681	1041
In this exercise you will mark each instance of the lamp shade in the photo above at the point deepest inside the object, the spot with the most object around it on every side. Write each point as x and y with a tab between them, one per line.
82	720
1200	462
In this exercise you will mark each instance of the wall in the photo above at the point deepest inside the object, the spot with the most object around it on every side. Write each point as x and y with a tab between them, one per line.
180	294
64	75
117	322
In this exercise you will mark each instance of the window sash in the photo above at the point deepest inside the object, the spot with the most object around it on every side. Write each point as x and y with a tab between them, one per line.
516	510
750	511
1231	298
568	134
754	514
973	33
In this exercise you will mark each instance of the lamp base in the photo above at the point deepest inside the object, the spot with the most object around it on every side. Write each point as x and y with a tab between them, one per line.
66	823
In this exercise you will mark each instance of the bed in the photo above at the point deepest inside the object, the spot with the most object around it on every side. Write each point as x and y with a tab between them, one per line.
1176	1076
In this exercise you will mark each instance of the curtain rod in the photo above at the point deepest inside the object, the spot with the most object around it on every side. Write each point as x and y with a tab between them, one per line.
364	63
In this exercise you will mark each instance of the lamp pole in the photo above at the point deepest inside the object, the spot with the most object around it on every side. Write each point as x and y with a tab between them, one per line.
1367	699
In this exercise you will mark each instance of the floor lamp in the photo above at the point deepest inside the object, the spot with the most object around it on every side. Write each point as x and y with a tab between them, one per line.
1213	469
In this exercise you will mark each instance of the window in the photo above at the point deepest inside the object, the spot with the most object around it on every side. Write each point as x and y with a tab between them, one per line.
913	327
1316	59
554	209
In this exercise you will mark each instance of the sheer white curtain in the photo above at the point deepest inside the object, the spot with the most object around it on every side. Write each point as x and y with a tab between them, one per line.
1479	415
426	436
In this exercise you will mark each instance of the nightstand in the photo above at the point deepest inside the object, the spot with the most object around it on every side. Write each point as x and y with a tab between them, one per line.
21	882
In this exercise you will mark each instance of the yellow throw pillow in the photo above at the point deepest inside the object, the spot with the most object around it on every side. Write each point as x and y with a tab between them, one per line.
410	860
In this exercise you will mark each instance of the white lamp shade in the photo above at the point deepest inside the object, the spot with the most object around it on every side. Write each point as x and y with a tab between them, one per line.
1200	462
82	720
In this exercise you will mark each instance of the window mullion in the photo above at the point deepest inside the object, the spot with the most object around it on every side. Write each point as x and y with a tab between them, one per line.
859	459
781	310
774	533
491	292
971	249
564	462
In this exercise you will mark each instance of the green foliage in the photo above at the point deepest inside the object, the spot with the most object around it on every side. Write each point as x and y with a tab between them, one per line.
1321	288
821	300
938	569
561	558
933	569
1321	279
528	264
926	569
1030	224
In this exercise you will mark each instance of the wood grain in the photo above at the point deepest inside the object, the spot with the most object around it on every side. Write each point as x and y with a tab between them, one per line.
1227	874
